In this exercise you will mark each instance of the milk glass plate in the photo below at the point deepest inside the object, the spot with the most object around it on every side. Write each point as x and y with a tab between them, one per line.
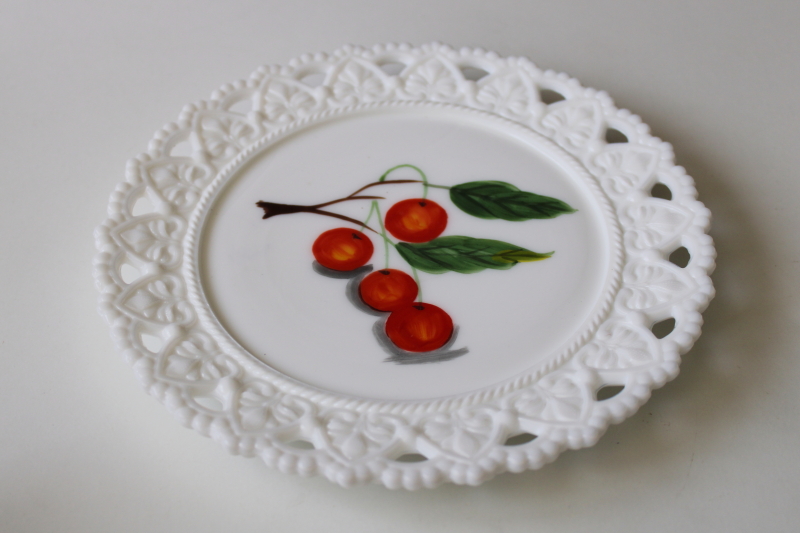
404	266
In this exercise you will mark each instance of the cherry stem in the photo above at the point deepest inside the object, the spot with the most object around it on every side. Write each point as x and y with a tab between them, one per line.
387	182
386	240
273	209
351	197
376	209
419	171
371	212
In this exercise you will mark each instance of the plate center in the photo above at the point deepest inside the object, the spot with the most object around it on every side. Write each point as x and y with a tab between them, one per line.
262	286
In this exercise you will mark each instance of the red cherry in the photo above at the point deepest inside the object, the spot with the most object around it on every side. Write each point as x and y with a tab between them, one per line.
416	220
342	249
388	289
419	327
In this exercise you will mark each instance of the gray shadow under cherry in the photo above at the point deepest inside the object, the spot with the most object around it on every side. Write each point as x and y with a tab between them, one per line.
396	355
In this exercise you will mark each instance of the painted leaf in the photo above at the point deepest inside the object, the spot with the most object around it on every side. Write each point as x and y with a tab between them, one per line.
465	255
519	256
498	199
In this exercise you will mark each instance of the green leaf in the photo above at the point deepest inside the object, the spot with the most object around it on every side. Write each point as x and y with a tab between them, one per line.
465	255
498	199
519	256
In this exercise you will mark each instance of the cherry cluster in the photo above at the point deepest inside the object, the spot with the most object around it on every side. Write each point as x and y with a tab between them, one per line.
412	325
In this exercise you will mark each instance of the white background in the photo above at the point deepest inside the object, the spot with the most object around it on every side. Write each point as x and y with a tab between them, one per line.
84	85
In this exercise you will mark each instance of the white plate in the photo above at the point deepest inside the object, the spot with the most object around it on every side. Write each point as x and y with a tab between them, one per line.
229	320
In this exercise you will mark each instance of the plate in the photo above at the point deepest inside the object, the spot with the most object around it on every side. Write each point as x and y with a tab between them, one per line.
404	265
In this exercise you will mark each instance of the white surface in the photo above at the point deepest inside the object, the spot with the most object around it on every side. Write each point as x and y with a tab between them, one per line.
250	409
85	85
509	320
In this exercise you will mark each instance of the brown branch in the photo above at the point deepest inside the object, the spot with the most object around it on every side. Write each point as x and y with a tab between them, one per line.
349	198
387	182
342	217
272	209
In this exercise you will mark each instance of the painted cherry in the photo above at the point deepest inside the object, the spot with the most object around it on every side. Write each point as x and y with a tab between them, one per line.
388	289
416	220
419	327
342	249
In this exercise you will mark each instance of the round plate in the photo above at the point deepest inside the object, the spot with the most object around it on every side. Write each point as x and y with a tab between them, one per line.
404	265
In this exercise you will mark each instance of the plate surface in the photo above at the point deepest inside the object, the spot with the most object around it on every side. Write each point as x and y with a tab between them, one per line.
551	269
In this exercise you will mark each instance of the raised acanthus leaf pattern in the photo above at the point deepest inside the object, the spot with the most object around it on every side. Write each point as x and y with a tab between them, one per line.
152	238
649	286
574	123
465	433
286	100
159	300
655	224
432	80
358	83
620	346
261	407
179	181
357	435
225	135
507	95
555	398
195	359
624	168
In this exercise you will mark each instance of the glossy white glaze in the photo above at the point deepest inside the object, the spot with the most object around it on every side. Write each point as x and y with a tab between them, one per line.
357	416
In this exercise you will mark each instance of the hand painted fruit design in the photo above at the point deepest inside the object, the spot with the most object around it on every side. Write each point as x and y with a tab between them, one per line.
419	327
342	249
416	220
388	289
410	329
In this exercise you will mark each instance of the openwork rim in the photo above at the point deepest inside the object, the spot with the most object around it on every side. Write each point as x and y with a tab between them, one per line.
142	263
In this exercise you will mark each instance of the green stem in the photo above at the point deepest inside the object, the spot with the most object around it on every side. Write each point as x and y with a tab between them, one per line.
425	186
419	285
422	175
369	215
386	241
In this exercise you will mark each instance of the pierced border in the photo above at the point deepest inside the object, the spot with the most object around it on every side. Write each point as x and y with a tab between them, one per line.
353	441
